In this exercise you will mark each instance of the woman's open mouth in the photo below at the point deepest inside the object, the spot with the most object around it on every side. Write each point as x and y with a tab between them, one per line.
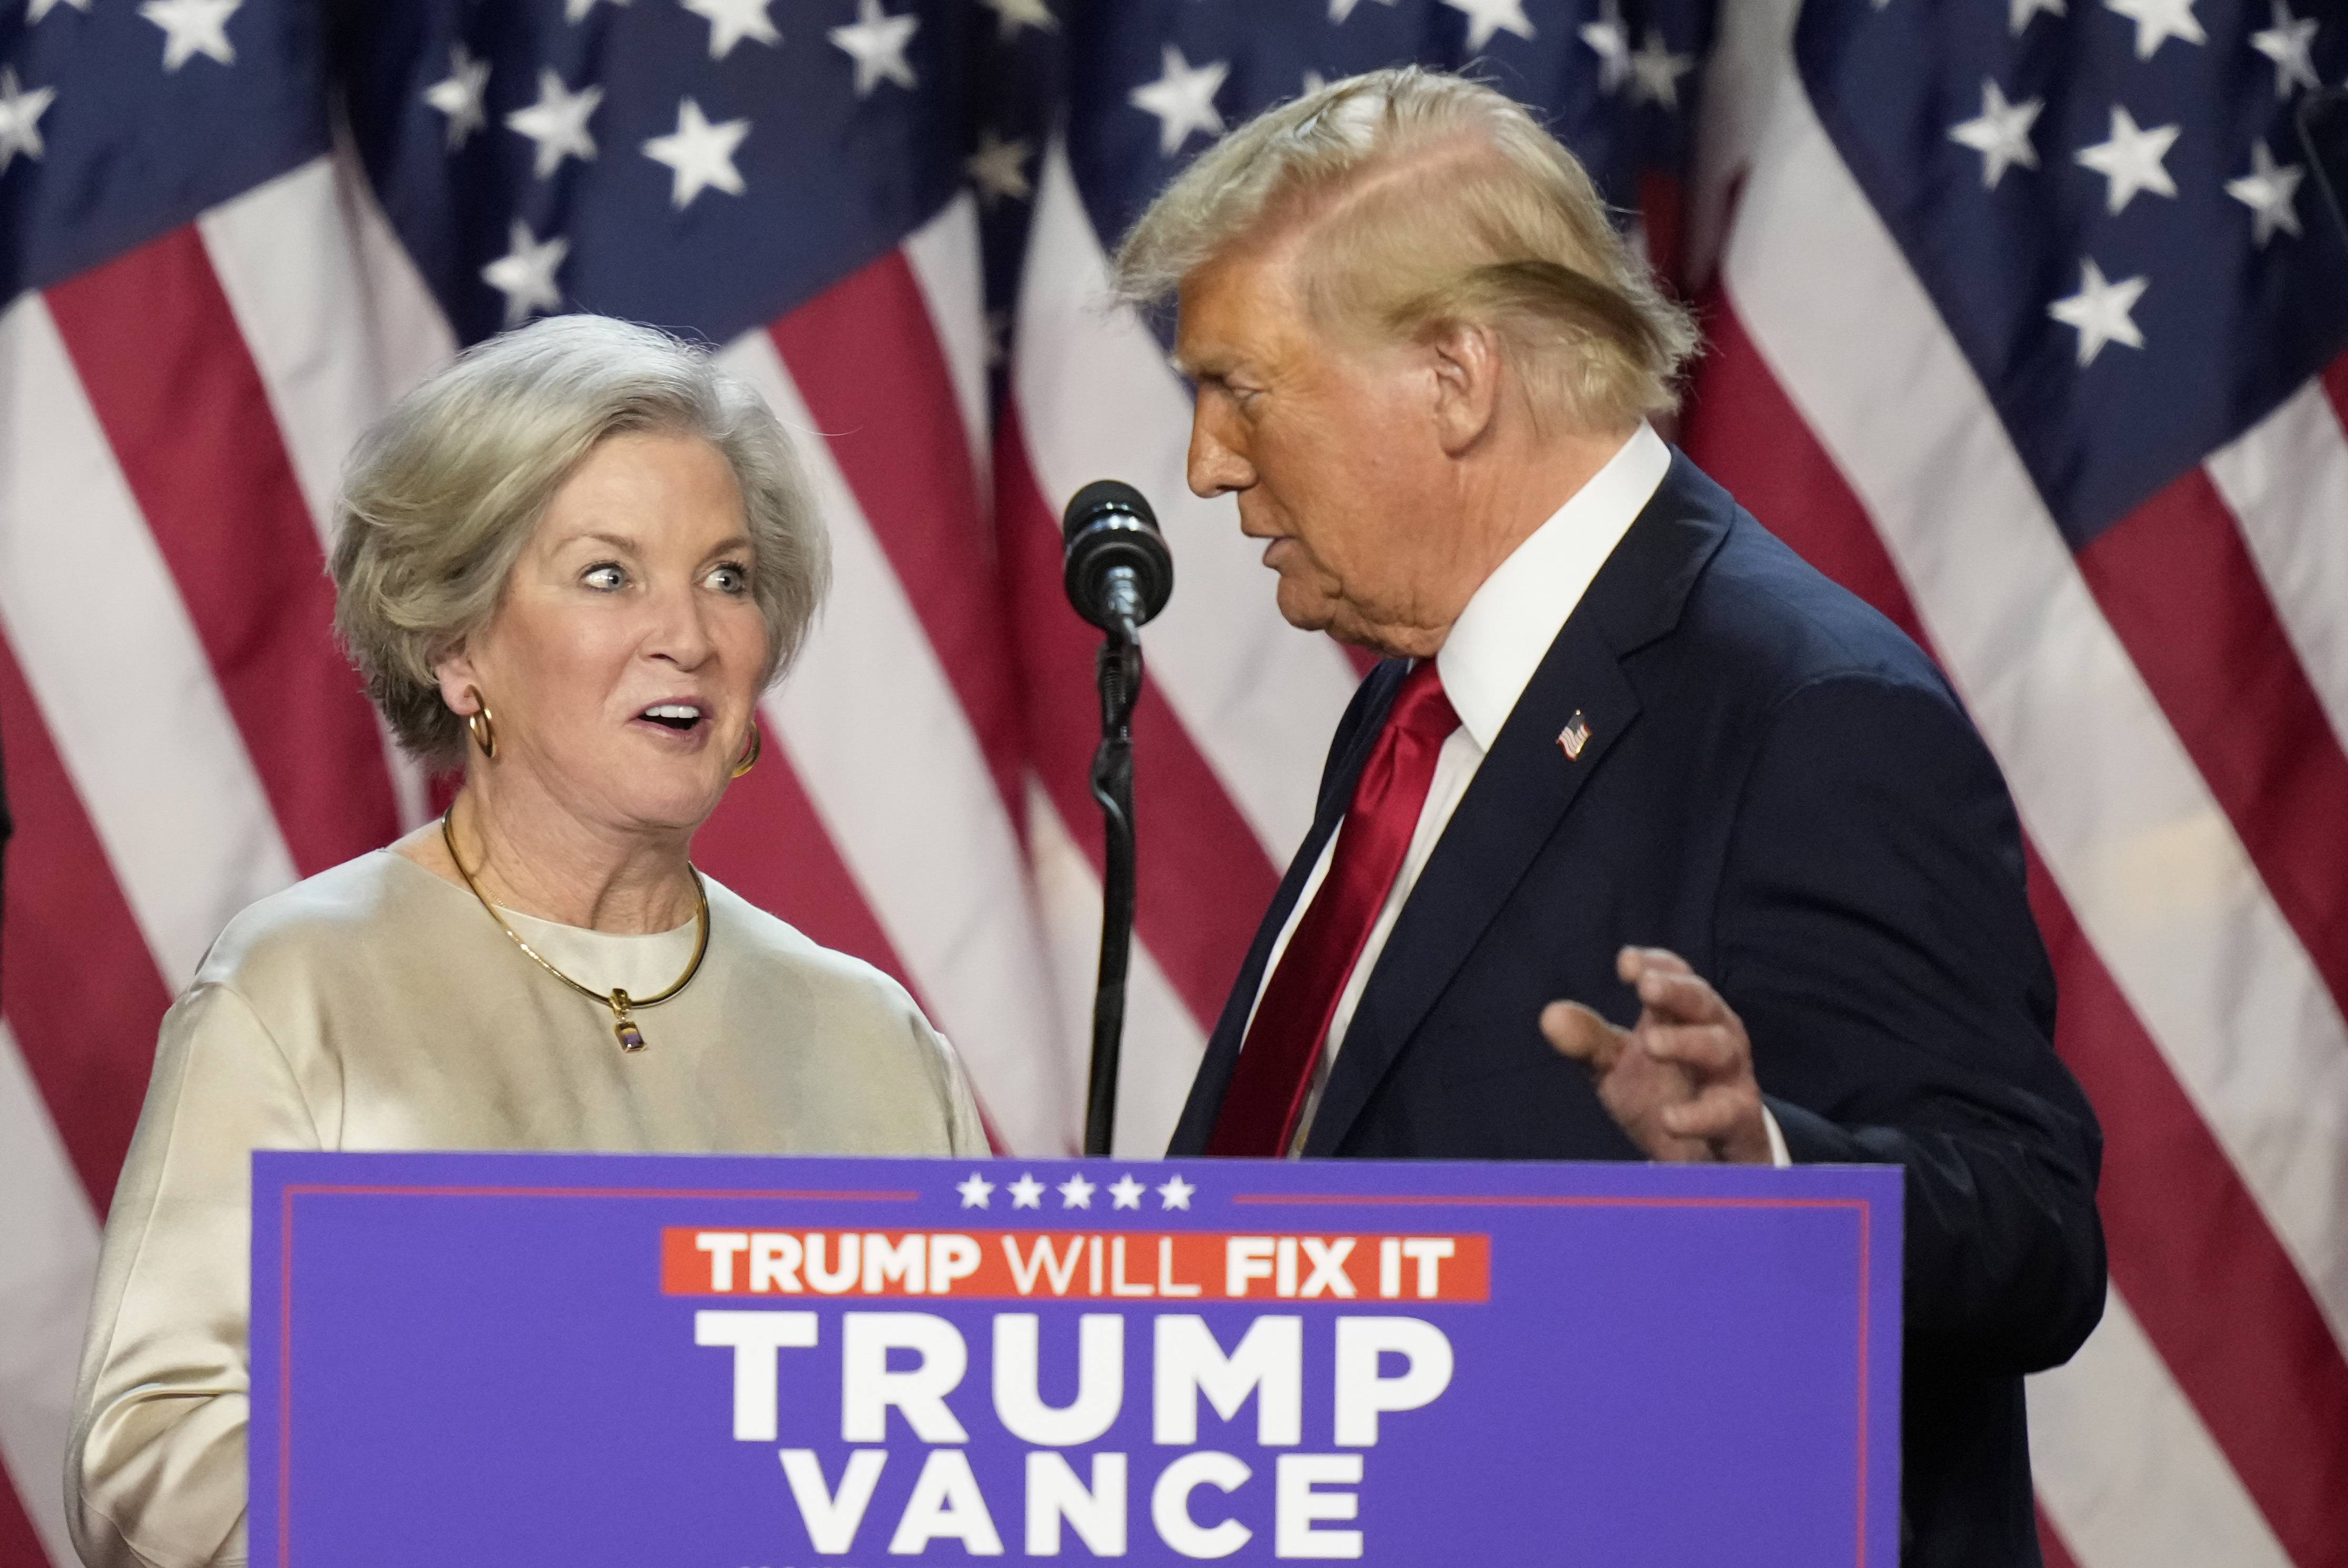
679	716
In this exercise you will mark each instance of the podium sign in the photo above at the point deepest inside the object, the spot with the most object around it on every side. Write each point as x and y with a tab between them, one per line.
717	1362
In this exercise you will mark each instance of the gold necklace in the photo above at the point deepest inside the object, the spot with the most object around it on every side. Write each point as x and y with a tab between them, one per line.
622	1006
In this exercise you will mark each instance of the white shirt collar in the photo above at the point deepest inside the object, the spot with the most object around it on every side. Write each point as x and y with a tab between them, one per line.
1502	635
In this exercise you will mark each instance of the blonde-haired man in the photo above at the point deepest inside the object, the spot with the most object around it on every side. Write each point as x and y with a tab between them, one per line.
1625	749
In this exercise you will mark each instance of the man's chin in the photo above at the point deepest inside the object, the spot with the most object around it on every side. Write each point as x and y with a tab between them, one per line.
1384	642
1307	612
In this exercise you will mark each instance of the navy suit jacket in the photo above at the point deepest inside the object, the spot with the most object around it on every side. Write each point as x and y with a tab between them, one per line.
1779	786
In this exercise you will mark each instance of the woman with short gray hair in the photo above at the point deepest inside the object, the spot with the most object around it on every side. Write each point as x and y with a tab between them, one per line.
570	563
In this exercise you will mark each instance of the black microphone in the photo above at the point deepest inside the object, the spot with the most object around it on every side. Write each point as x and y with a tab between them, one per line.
1116	566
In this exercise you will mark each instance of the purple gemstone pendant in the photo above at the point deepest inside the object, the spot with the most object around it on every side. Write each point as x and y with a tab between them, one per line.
631	1038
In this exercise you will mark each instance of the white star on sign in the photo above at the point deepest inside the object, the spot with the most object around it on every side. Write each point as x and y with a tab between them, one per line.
2158	21
999	168
20	119
1076	1193
1026	1192
41	8
1341	9
2099	311
2130	160
975	1191
557	122
2002	134
1612	42
701	153
1659	71
1175	1194
1018	14
2287	44
575	11
1126	1192
525	273
2269	190
1486	18
1183	99
192	28
2020	12
731	21
876	41
458	94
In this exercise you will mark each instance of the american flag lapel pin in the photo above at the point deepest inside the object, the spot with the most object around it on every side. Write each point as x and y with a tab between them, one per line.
1574	736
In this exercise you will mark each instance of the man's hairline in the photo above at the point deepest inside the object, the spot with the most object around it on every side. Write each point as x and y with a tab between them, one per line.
1291	219
1281	247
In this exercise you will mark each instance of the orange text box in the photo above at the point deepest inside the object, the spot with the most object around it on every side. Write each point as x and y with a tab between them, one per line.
1076	1266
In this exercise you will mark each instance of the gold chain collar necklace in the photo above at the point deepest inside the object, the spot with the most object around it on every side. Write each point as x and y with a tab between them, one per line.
622	1006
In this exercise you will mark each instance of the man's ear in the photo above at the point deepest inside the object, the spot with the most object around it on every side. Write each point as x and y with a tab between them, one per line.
1468	369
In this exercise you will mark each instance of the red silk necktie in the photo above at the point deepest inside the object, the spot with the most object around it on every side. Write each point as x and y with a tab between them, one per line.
1267	1089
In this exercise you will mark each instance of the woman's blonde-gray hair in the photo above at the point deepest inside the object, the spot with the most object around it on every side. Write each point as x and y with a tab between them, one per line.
1426	201
444	490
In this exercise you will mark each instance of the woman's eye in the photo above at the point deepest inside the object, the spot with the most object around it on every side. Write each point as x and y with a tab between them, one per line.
730	578
607	577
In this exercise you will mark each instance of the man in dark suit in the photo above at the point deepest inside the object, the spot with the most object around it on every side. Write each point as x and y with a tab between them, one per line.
1626	750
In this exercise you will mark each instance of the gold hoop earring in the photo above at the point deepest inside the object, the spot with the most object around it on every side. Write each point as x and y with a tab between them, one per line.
749	752
482	726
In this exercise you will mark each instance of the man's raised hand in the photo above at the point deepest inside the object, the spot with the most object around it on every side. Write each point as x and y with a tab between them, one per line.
1680	1082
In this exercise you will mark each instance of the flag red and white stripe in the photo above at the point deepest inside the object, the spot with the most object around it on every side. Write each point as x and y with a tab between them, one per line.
180	738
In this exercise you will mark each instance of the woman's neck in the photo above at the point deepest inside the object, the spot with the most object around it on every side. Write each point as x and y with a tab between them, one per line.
534	857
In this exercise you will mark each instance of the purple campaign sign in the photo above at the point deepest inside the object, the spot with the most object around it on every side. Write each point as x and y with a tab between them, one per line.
718	1362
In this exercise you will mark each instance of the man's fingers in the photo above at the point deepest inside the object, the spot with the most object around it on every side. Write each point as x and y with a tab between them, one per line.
1633	962
1727	1121
1681	997
1704	1050
1680	1084
1582	1034
1712	1115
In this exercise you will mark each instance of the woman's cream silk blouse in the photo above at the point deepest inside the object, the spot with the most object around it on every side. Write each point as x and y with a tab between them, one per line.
376	1007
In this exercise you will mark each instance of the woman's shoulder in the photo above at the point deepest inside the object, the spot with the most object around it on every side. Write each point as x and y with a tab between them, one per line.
853	1000
768	940
348	907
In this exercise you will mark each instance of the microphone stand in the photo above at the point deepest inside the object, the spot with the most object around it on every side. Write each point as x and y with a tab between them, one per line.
1118	572
1118	669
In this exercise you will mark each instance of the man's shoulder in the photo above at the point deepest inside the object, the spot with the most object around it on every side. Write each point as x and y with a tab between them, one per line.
1761	617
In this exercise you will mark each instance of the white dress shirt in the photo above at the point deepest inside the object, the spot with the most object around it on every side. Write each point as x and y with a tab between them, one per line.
1486	661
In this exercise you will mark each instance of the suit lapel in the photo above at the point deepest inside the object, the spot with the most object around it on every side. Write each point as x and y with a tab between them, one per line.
1522	792
1527	784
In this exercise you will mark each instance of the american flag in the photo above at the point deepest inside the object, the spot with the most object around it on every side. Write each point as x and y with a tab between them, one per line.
2028	328
2025	323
